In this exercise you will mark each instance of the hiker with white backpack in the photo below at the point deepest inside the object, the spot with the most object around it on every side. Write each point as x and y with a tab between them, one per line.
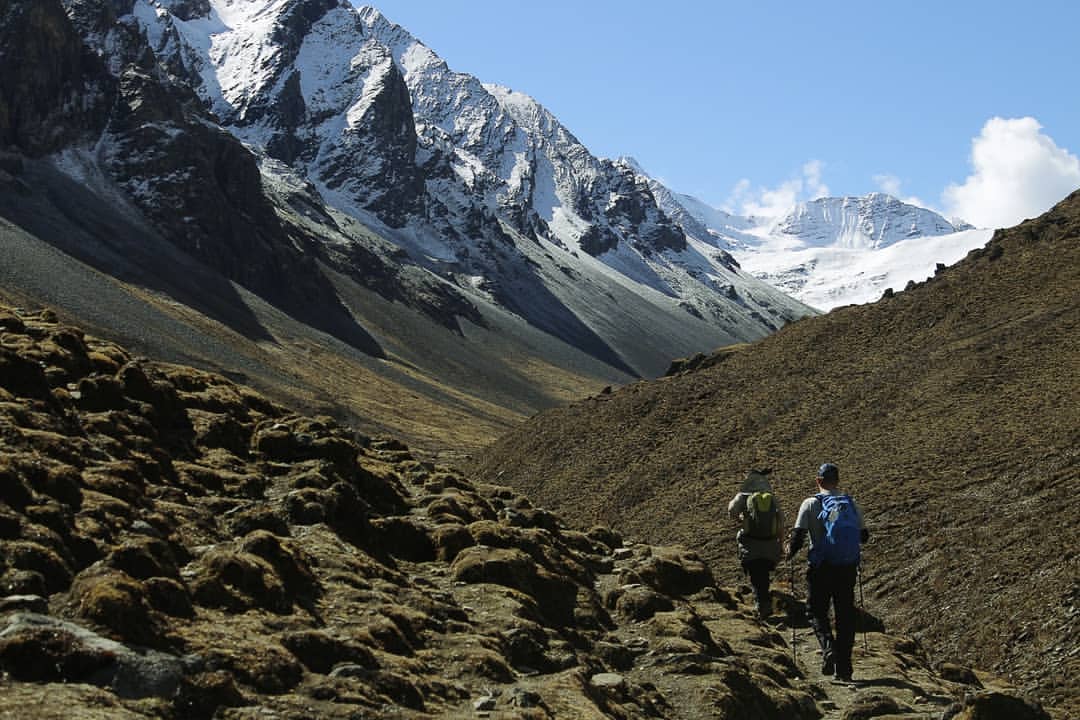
759	539
835	526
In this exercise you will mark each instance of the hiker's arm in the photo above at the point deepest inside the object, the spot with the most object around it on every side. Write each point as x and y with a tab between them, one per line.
802	525
795	542
737	506
864	534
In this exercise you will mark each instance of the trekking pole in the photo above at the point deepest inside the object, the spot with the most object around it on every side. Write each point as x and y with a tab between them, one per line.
862	604
794	597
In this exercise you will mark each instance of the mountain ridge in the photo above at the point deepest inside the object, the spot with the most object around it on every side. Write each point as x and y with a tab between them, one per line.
481	158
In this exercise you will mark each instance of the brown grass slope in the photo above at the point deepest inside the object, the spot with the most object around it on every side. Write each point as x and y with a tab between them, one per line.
174	545
953	411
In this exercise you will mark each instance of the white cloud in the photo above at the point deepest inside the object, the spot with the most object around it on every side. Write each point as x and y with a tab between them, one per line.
812	174
1018	172
892	185
773	202
889	184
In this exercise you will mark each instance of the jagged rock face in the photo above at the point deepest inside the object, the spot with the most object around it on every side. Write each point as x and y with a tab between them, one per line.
874	220
200	185
254	57
383	127
634	211
372	160
52	92
153	138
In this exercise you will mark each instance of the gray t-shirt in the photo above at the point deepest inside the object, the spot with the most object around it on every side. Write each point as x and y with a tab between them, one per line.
807	519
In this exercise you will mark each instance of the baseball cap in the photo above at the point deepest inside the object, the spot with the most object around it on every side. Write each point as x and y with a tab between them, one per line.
829	472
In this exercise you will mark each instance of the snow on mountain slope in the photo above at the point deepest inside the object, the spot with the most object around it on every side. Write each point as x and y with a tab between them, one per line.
835	251
461	174
725	230
832	276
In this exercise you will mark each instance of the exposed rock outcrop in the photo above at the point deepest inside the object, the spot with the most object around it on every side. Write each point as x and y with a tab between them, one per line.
52	90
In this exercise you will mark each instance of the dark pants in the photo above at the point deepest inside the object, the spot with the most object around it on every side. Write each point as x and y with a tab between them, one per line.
833	585
758	570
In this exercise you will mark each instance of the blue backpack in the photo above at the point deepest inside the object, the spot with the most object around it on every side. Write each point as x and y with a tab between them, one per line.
840	546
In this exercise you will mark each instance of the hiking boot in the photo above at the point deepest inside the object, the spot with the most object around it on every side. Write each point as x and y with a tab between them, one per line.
828	664
843	673
764	610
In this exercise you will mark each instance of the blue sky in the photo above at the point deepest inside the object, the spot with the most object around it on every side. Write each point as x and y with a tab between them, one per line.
750	104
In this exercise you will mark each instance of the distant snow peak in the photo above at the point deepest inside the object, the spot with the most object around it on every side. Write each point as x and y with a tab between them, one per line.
832	251
869	221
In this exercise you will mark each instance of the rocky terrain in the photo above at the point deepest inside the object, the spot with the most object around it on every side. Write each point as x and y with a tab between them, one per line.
952	409
175	545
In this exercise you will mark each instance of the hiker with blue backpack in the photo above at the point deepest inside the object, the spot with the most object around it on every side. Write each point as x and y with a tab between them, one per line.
835	526
759	539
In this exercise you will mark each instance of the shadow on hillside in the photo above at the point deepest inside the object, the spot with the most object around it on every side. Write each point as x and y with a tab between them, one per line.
73	219
526	295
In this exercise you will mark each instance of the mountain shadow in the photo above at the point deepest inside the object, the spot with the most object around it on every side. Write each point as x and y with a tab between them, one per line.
65	214
524	293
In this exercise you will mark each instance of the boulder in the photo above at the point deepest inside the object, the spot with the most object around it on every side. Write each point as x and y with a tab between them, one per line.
40	648
1000	706
675	571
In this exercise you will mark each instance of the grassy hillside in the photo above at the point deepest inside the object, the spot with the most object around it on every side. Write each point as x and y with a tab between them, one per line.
953	411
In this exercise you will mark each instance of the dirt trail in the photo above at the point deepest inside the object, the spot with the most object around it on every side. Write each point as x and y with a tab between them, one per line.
893	676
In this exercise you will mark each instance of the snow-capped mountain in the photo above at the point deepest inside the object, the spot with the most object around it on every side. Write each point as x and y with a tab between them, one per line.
470	195
876	220
464	176
838	250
